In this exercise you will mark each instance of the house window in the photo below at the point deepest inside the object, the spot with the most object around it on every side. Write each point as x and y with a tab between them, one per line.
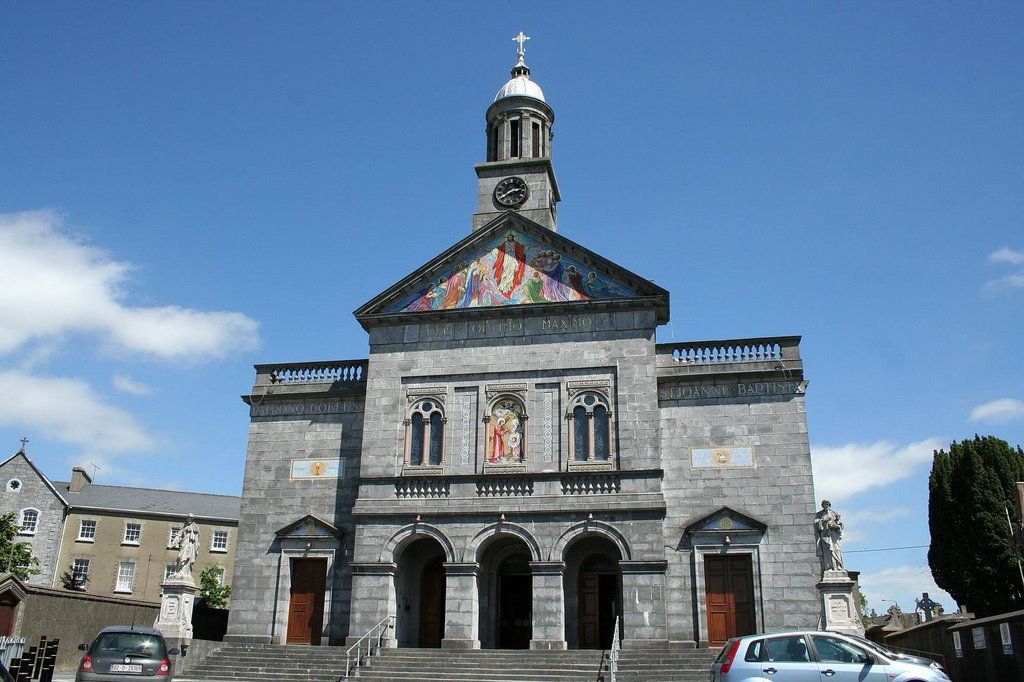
218	572
425	434
13	485
132	533
172	535
29	521
80	572
591	428
87	530
125	576
168	571
220	541
535	134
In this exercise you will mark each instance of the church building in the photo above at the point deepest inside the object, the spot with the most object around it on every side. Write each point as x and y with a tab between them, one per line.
519	463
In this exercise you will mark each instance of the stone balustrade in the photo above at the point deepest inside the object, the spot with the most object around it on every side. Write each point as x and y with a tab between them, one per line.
339	372
733	355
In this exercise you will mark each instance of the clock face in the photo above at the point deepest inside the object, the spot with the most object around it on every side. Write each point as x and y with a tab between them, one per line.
511	191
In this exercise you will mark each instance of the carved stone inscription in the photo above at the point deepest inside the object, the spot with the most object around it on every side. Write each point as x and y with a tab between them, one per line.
311	409
746	390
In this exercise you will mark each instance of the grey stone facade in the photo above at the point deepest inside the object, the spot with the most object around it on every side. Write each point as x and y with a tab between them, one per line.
25	488
666	487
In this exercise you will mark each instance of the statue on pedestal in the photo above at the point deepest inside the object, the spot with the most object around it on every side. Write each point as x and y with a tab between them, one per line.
187	544
828	532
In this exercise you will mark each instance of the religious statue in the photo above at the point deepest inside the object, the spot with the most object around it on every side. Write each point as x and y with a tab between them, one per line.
187	544
828	532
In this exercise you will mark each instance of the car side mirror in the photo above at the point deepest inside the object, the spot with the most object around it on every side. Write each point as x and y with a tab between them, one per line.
870	659
83	647
174	651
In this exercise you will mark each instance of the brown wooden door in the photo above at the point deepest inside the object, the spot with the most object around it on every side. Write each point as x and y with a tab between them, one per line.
590	615
306	607
432	604
8	607
729	583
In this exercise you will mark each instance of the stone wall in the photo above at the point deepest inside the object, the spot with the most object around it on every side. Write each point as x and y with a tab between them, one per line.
75	618
33	493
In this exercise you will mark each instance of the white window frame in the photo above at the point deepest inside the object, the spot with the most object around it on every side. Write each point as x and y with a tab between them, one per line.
14	485
172	534
82	536
76	564
35	522
138	538
213	541
168	570
125	581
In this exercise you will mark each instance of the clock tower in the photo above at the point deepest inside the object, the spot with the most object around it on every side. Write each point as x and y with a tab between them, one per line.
518	174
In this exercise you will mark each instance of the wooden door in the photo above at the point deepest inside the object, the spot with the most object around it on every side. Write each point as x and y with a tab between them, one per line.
306	606
729	584
432	604
590	613
8	606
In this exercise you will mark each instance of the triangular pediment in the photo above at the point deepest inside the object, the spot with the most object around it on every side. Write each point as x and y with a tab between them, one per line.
725	521
513	261
308	527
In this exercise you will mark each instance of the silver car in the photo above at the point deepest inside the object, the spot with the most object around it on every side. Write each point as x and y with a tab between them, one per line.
814	657
123	653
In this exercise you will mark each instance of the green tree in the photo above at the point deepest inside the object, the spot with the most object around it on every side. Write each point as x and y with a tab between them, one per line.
211	589
972	553
15	557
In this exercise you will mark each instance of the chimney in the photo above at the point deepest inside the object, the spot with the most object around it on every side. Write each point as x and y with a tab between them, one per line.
79	479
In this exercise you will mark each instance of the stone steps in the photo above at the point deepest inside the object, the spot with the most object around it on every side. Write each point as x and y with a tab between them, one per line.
278	663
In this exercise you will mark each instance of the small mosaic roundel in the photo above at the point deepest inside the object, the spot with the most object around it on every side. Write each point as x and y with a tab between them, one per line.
721	456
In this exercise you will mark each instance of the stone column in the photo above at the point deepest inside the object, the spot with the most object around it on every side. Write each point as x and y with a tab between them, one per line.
373	599
462	606
838	611
548	605
175	618
644	622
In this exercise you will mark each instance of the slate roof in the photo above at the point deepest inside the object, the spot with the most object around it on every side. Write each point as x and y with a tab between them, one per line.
151	501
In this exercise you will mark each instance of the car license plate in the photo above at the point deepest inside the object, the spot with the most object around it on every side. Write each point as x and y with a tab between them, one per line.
126	667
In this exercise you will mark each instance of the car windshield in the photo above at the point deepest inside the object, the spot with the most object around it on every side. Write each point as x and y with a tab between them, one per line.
123	643
875	645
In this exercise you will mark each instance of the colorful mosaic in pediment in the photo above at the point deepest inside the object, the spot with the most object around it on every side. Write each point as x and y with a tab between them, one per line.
513	269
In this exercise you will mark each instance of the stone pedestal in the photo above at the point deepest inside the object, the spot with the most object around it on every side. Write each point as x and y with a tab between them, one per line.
175	619
838	611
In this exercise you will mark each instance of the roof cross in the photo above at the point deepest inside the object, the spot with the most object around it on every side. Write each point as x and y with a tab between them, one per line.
521	39
23	442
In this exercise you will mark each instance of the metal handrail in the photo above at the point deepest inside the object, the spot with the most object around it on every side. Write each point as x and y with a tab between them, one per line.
375	639
613	655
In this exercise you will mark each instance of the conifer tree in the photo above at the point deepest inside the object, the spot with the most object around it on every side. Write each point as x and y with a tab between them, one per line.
973	553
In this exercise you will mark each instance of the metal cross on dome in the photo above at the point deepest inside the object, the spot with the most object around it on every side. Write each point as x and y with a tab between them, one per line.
521	39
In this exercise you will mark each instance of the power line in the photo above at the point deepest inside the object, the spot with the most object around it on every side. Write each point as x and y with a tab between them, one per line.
883	549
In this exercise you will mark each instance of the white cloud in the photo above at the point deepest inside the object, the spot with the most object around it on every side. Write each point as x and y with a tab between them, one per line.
902	585
999	411
69	411
1014	281
1007	255
126	384
843	471
58	285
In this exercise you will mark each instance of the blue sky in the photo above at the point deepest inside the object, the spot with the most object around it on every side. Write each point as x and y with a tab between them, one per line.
191	188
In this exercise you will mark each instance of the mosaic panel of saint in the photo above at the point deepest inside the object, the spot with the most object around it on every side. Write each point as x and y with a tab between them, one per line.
505	432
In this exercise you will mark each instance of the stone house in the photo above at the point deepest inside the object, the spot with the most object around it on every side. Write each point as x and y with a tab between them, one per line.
115	540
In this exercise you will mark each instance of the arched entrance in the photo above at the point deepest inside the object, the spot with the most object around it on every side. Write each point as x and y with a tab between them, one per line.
593	593
506	595
420	594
